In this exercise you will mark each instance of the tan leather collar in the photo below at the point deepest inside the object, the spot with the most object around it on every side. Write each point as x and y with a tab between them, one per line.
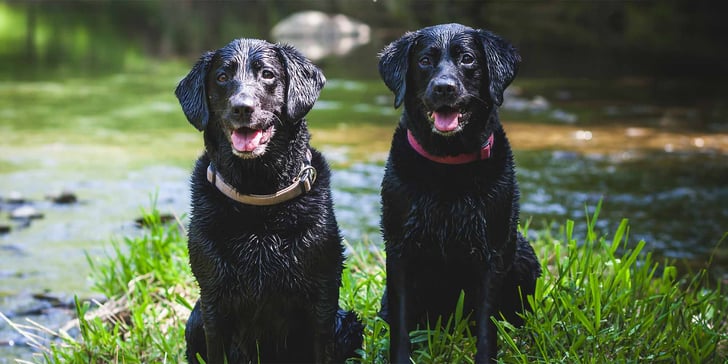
301	185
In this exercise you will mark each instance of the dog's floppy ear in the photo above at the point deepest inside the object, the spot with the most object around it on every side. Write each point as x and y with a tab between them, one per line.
393	60
503	60
305	81
191	93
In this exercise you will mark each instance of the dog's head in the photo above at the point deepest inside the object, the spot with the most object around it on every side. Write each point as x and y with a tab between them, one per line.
450	75
247	90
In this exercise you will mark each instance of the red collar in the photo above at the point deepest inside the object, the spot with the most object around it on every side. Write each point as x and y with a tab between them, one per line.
484	152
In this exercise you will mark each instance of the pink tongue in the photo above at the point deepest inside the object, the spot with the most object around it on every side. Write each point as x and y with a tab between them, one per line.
246	140
445	121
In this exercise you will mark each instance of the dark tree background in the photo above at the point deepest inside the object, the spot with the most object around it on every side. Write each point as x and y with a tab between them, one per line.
568	38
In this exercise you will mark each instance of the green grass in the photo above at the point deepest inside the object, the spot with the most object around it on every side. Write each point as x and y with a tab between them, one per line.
148	281
599	300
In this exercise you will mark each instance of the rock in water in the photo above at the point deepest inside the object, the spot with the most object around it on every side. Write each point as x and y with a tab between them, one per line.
64	197
318	34
25	212
15	197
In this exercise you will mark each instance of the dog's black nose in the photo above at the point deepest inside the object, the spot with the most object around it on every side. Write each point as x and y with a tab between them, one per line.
444	87
243	110
243	107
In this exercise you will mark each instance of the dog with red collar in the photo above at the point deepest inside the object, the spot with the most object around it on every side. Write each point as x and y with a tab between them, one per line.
449	195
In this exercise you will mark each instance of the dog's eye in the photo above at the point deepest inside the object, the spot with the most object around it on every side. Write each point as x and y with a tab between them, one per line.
222	77
467	58
425	61
267	74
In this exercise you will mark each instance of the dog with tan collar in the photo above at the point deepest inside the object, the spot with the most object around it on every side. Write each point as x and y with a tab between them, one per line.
264	243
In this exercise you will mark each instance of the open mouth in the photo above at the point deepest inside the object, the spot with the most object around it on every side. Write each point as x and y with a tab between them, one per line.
445	119
247	140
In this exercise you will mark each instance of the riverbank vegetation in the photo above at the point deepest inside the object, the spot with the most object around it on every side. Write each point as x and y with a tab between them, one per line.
600	299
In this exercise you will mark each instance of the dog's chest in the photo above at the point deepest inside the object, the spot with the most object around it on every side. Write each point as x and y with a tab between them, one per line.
267	263
252	256
449	229
254	252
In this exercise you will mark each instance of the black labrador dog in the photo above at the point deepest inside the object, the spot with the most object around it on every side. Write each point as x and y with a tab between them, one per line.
449	194
264	243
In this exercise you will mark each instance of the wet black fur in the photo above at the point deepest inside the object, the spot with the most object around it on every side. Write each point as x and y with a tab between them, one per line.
269	277
452	228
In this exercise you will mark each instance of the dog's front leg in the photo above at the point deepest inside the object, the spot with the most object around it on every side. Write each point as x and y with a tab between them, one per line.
215	348
487	341
214	338
399	342
323	345
324	315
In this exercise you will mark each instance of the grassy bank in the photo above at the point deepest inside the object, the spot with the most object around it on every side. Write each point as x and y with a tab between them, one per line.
599	300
